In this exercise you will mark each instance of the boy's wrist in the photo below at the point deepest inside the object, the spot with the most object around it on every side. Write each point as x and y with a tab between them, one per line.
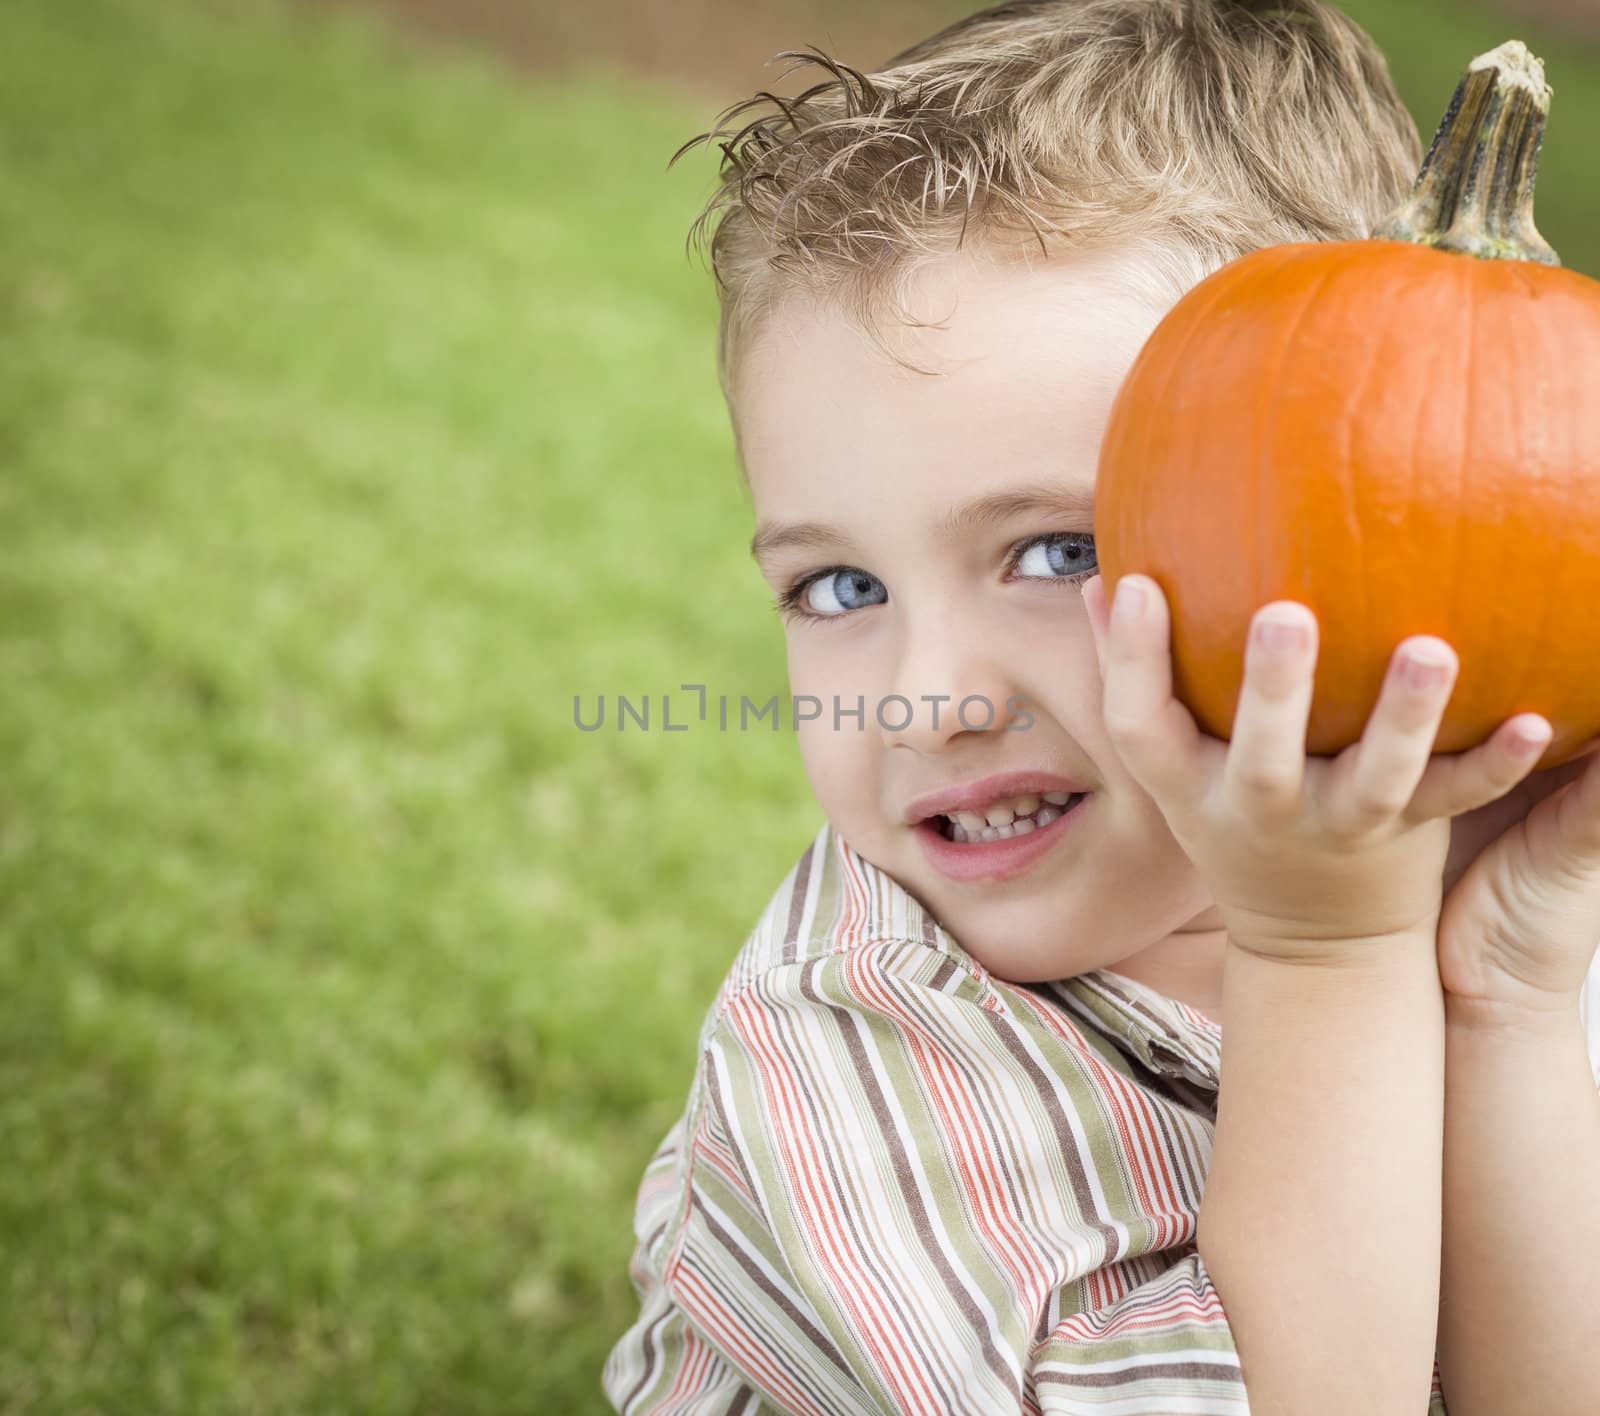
1372	987
1551	1015
1353	955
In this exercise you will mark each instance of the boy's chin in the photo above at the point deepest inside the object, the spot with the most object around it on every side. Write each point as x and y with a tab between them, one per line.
1011	962
1019	940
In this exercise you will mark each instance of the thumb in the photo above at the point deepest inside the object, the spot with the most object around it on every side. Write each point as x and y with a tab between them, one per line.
1576	812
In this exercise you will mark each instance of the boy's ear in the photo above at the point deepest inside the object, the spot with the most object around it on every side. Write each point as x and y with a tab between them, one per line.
1094	601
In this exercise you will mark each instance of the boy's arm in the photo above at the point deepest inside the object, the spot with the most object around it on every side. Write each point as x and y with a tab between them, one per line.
1519	1326
1321	1216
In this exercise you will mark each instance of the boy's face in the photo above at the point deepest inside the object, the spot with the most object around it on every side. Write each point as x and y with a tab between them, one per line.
934	534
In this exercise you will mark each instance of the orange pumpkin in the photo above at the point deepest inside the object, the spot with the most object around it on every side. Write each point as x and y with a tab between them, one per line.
1401	433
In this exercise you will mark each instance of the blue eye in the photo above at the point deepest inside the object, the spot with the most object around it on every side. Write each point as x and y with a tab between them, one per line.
1061	555
832	593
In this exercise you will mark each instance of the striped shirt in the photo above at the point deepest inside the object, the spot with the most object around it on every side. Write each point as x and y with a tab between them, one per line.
903	1185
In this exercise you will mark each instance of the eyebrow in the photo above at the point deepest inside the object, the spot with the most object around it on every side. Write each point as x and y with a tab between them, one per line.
1067	500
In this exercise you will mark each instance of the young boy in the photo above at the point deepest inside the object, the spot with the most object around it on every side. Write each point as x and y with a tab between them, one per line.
954	1143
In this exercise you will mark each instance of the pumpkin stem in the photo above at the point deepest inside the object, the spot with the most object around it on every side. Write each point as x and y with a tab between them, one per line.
1475	192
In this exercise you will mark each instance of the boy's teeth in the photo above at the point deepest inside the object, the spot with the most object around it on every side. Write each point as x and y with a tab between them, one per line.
1016	817
1008	809
1020	827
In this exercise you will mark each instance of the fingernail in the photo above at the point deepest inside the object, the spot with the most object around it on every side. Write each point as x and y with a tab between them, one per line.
1531	735
1282	636
1424	668
1130	603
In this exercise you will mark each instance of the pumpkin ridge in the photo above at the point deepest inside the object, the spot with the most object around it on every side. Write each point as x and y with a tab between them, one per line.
1174	365
1267	430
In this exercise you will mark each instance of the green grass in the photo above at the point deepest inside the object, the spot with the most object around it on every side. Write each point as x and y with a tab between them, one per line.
356	413
357	409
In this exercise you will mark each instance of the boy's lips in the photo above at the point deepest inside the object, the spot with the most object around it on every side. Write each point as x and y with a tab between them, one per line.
974	796
990	861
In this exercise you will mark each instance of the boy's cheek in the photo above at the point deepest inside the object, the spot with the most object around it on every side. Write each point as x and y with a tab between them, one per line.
834	764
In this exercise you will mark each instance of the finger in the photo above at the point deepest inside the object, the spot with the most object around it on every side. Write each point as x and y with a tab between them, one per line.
1376	779
1466	781
1154	734
1267	753
1094	603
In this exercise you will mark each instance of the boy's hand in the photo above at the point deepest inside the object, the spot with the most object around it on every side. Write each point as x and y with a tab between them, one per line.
1308	861
1521	916
1472	833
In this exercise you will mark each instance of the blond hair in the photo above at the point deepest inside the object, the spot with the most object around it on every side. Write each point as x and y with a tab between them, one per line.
1200	129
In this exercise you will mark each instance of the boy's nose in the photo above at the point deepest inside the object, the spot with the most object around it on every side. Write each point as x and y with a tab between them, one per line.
944	690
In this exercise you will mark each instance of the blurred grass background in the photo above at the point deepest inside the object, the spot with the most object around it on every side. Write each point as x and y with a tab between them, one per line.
358	409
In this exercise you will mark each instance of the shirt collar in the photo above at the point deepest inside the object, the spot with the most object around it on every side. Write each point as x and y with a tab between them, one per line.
1165	1035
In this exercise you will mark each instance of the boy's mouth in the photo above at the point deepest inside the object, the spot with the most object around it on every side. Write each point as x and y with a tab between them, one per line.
1003	850
995	828
1007	818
